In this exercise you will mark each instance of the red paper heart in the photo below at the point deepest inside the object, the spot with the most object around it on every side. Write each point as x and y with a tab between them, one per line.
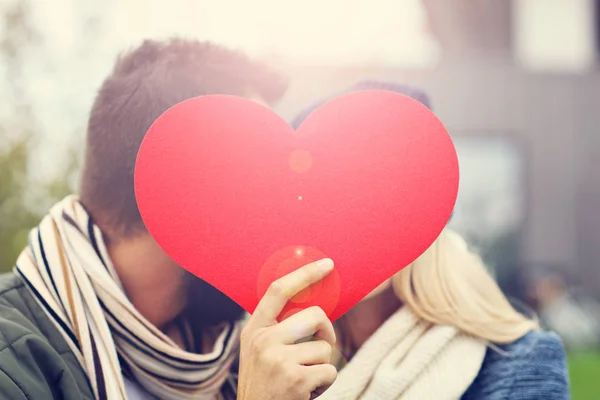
236	197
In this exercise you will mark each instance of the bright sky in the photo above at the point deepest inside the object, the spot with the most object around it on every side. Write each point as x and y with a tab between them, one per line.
317	31
82	37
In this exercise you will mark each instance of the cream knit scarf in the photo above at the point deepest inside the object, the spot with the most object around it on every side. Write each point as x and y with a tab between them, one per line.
410	359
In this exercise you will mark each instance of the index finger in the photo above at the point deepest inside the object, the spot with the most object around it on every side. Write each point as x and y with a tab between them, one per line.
283	289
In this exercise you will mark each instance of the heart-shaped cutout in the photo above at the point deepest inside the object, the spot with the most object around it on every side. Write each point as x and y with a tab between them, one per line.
238	198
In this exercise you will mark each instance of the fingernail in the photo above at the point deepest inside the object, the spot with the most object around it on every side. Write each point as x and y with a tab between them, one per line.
325	264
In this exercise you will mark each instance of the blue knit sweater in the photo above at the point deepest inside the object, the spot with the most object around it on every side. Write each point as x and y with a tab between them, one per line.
535	368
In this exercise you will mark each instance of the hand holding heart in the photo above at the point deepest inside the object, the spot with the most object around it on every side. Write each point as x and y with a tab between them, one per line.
237	197
273	365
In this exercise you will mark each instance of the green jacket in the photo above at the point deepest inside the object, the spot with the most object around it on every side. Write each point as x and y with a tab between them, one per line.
36	363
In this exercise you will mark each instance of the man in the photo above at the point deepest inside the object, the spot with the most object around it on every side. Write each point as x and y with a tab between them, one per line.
95	309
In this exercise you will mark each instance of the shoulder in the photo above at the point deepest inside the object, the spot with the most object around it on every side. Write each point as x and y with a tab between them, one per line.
17	316
532	367
22	317
9	282
15	320
19	323
35	361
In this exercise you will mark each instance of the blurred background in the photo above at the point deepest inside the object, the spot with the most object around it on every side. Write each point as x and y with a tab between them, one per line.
516	83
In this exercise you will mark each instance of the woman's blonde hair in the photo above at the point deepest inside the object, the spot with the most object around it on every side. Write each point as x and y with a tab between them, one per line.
449	285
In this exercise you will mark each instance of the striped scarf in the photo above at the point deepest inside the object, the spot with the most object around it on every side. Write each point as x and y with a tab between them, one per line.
67	268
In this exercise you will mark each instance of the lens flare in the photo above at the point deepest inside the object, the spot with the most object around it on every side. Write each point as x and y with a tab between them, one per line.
324	293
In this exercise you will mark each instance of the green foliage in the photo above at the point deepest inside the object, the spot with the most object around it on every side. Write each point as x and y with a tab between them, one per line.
584	373
22	201
14	217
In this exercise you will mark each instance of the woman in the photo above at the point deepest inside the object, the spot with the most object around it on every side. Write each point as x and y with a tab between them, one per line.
442	329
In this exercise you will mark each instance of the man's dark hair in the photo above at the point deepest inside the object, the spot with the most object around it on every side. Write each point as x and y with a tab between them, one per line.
144	83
